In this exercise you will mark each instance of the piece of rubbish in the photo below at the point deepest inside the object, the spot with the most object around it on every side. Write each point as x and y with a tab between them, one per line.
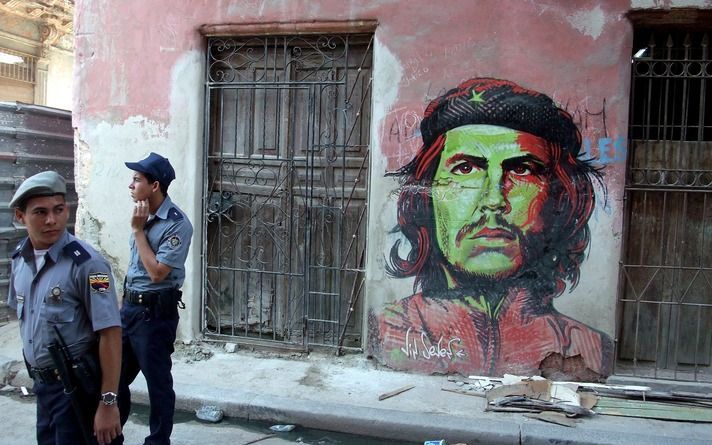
435	442
525	404
466	386
387	395
209	413
588	400
535	394
282	428
24	390
230	347
534	389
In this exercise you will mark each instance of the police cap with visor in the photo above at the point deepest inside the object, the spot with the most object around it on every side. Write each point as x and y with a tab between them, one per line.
155	165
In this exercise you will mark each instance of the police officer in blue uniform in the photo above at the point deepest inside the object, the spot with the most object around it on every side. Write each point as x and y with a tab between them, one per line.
61	287
161	235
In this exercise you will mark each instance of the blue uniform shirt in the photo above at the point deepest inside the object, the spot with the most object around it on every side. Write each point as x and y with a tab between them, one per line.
169	233
74	290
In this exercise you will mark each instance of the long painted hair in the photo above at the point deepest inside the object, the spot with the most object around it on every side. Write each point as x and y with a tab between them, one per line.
556	255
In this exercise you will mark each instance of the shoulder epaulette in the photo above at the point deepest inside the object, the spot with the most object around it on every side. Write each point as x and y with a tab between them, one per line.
76	252
174	214
18	249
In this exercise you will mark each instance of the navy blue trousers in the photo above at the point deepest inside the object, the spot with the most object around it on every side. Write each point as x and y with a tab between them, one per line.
57	422
148	339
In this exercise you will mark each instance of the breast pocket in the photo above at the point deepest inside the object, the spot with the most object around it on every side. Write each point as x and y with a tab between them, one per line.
59	313
57	316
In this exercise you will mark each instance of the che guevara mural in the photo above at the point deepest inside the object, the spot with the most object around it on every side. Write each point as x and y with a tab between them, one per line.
495	208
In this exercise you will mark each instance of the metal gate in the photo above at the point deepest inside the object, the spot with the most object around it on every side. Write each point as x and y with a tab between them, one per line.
286	168
665	302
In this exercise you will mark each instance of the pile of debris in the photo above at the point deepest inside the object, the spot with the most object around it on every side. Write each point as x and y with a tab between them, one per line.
564	403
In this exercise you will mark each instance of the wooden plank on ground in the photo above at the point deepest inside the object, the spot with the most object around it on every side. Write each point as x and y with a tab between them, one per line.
395	392
652	410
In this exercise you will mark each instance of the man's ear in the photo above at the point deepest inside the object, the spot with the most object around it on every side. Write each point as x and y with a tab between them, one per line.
20	216
156	186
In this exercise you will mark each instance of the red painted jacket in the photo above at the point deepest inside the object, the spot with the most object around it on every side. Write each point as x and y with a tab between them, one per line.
436	335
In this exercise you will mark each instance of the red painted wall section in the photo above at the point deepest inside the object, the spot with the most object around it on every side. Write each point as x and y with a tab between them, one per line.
532	44
572	51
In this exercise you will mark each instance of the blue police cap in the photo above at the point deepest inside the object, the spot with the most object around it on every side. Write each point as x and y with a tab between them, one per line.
48	183
155	165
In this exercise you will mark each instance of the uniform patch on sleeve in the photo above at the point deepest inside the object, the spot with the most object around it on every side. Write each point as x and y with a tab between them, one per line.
99	282
174	241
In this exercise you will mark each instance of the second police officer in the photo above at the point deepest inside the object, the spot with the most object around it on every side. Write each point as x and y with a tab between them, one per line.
160	239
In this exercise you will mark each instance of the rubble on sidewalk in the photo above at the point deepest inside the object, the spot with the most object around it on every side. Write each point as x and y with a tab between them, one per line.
209	413
537	394
560	402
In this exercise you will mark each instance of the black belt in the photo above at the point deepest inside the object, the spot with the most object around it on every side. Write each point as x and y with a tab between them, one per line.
45	375
149	298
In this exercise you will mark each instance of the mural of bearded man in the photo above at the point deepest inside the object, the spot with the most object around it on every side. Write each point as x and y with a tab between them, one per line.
495	207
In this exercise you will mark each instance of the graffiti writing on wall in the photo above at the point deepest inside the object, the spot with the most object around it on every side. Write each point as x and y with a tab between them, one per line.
402	129
416	67
416	347
606	150
591	119
495	207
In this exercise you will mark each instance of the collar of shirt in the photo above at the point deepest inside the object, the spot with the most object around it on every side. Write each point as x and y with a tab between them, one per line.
55	250
166	205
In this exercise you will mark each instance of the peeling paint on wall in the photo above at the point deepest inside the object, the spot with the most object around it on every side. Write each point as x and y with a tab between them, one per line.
104	145
590	23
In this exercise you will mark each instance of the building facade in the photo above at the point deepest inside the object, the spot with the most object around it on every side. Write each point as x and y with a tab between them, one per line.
470	187
37	52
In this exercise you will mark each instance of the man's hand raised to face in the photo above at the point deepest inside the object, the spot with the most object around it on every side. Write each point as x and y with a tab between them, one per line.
140	215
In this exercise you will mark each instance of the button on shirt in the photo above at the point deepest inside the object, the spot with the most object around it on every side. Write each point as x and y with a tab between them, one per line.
169	234
73	290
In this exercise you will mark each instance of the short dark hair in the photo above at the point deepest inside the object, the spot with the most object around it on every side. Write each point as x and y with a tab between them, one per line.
488	101
151	179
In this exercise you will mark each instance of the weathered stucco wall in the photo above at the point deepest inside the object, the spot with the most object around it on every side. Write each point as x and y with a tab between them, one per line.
139	88
59	79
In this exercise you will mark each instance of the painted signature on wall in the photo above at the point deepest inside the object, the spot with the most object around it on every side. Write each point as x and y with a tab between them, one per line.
427	350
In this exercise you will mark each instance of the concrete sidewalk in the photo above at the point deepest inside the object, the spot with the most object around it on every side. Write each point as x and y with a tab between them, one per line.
341	394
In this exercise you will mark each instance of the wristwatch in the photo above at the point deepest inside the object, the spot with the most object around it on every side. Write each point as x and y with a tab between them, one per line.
108	398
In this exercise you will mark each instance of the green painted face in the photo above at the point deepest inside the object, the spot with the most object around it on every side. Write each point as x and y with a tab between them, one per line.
488	193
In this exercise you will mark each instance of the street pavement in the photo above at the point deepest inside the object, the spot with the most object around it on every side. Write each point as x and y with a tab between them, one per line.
18	427
325	392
